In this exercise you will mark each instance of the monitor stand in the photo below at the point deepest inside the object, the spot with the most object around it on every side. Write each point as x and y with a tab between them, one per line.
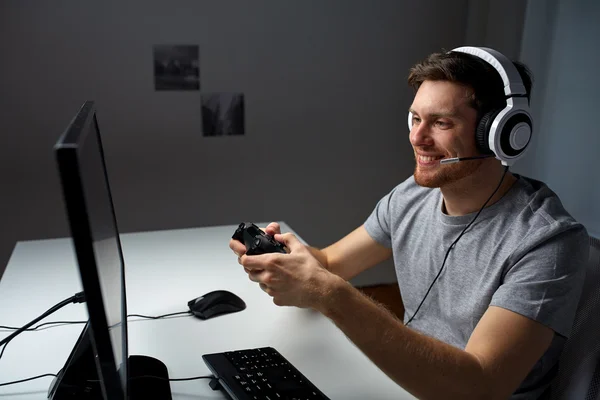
78	379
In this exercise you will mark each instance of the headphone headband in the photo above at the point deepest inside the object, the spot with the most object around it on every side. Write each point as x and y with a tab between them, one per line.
513	84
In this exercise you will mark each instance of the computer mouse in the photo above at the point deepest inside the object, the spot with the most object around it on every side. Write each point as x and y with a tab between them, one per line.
216	303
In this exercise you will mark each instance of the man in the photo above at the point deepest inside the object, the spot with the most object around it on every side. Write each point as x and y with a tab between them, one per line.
489	264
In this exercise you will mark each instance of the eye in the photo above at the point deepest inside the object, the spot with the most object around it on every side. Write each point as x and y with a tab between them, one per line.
442	124
416	120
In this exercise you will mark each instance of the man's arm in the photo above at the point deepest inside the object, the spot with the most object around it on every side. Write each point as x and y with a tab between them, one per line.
501	351
348	257
351	255
387	295
355	253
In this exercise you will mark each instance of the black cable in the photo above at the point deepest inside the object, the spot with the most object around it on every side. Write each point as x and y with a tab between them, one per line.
181	379
166	379
4	348
160	316
79	322
77	298
83	322
455	241
135	377
35	328
8	339
25	380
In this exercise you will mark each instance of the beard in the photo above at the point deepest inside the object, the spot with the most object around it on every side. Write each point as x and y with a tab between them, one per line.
444	175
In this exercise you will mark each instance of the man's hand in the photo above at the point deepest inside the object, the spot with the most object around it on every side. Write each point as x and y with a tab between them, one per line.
294	279
240	249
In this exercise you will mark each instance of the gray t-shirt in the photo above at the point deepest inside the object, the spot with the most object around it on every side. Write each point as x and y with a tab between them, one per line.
524	253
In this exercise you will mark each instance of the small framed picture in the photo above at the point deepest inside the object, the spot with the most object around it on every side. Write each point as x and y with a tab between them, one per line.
222	114
176	67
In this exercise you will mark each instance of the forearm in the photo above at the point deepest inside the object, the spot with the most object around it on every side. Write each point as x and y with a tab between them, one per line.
426	367
386	295
321	256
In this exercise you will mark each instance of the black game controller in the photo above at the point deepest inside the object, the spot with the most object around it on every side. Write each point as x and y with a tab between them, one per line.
256	241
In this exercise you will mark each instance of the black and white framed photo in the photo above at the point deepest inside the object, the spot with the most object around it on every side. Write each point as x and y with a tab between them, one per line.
222	114
176	67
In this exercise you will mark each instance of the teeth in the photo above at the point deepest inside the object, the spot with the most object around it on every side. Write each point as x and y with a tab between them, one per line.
428	158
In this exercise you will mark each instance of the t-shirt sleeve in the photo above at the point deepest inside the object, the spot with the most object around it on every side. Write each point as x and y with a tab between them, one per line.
545	277
378	223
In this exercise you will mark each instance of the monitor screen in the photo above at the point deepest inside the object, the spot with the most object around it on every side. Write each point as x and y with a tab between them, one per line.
95	235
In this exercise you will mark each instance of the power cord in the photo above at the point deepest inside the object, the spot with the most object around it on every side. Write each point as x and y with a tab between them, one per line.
35	328
167	379
73	322
160	316
135	377
79	298
27	379
4	348
83	322
454	243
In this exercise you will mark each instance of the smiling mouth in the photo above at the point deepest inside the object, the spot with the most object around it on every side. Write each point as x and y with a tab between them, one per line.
428	160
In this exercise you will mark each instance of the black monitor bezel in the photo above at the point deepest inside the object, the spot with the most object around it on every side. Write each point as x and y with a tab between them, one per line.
67	152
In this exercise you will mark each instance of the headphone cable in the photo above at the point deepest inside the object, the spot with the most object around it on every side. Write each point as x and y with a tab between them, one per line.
454	243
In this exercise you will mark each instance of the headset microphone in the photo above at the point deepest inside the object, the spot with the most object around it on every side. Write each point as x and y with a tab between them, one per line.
457	159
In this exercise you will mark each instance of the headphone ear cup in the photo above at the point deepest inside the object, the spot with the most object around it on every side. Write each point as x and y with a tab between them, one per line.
482	133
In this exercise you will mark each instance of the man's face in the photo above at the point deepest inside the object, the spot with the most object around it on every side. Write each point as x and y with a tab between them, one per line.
443	126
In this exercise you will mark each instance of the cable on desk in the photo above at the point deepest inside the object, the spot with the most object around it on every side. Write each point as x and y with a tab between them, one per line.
35	328
176	379
135	377
23	329
76	322
4	348
167	379
95	381
160	316
83	322
77	298
27	379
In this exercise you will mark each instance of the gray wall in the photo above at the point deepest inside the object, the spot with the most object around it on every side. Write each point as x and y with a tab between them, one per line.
497	24
326	101
564	153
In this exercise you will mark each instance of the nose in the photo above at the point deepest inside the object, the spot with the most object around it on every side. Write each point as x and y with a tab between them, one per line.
420	135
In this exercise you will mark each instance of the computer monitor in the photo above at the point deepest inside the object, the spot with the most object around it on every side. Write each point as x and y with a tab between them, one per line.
91	216
99	362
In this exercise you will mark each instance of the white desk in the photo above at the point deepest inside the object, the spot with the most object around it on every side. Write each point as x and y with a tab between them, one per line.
165	269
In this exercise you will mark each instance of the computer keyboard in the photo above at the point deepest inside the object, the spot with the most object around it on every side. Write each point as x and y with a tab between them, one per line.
259	374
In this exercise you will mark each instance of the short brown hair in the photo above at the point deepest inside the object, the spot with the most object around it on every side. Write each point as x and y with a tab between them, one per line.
471	71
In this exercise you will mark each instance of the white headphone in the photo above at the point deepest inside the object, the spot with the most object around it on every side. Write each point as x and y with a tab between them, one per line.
505	132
